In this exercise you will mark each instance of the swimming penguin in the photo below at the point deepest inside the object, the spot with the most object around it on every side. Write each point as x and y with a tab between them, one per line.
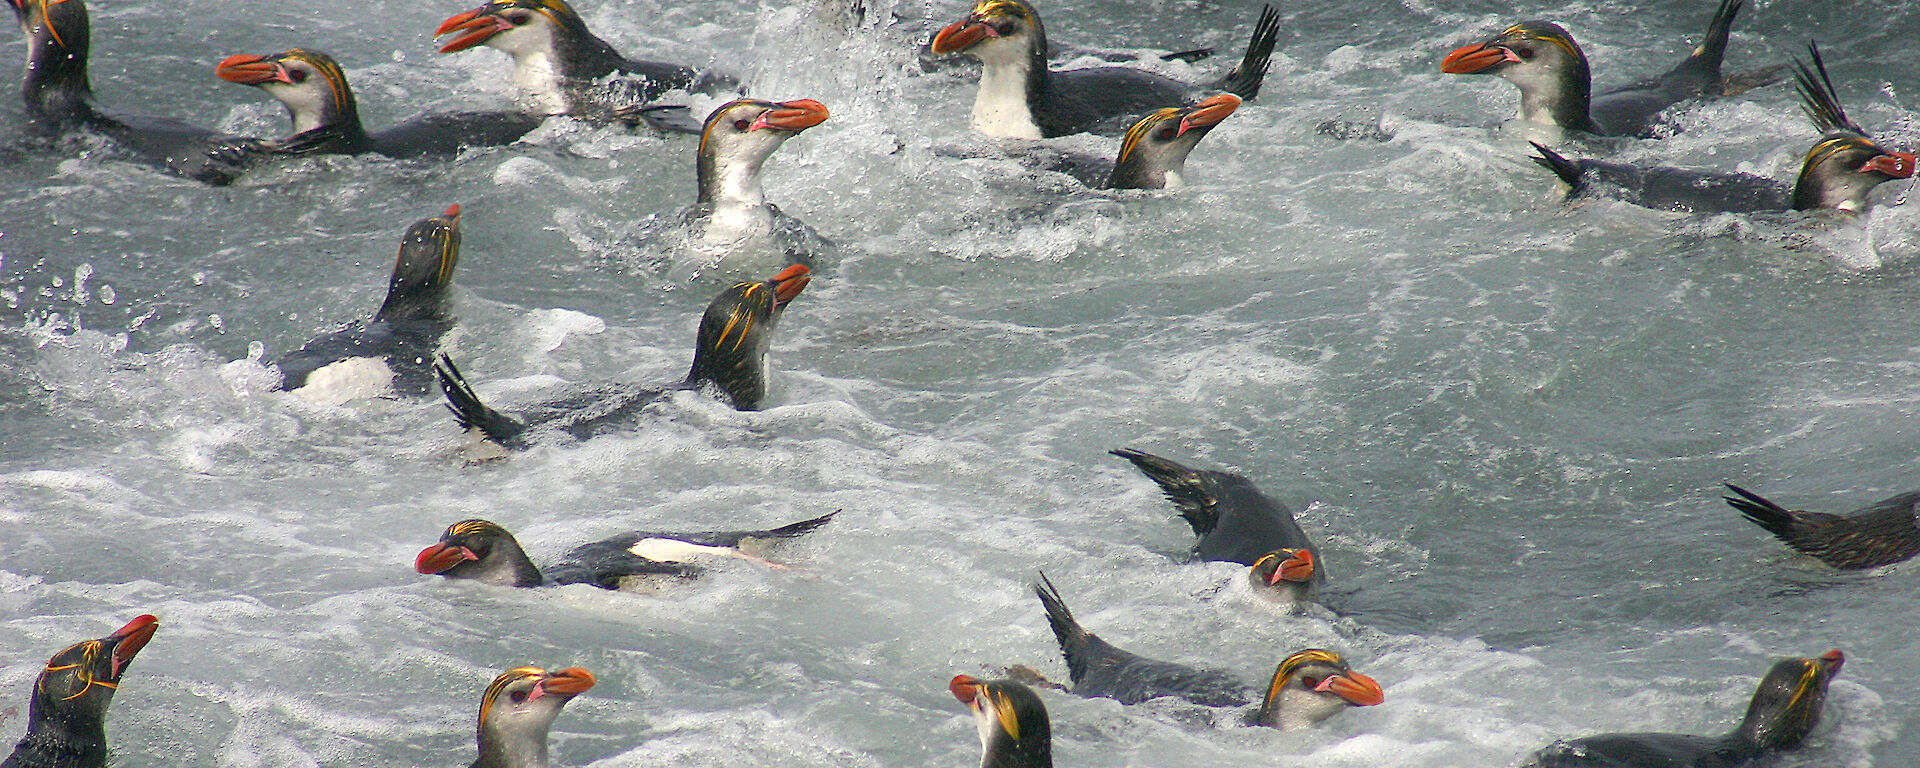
562	65
518	710
1550	70
729	358
1309	686
1014	729
393	350
1783	711
1020	97
1882	534
1237	523
731	227
60	98
1839	172
326	118
67	714
1153	154
485	552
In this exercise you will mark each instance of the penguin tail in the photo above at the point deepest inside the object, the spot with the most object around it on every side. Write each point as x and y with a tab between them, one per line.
1567	170
1074	639
1244	81
1778	520
802	528
467	408
1701	70
1186	488
1817	97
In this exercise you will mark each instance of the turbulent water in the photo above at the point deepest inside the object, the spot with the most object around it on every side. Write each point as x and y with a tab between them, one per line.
1507	420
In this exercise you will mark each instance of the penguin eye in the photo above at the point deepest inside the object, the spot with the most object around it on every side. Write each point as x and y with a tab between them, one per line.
518	696
1166	134
518	19
1525	52
1311	682
298	76
741	125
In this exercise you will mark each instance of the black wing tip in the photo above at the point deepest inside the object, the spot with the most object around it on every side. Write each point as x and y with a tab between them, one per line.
804	527
1065	628
468	410
1776	519
1818	98
1245	79
1567	170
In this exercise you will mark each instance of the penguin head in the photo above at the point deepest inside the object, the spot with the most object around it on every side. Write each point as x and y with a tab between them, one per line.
740	135
518	27
424	269
1313	685
1284	575
994	31
730	351
480	550
78	682
1014	729
1843	168
519	708
1786	706
60	23
1537	56
309	83
1153	155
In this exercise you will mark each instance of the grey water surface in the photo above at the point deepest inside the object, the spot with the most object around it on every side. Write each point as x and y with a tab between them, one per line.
1508	420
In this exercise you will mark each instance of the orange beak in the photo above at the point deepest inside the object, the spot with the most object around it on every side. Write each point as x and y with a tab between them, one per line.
251	70
961	35
1299	568
964	688
1899	165
133	637
571	680
440	557
1474	59
789	283
793	116
476	26
1209	112
1358	689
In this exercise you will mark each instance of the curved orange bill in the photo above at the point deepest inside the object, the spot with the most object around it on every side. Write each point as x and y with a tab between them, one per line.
250	70
793	115
453	213
961	35
475	27
964	688
132	638
569	680
789	283
1358	689
1833	659
440	557
1899	165
1476	58
1209	112
1299	567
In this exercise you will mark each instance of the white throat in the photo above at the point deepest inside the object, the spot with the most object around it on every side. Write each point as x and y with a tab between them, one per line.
1000	106
534	68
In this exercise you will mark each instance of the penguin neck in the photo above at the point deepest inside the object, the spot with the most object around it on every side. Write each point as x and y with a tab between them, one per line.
1822	187
1005	752
413	303
62	738
506	565
1011	83
1561	97
1136	171
740	375
538	74
56	87
503	748
732	186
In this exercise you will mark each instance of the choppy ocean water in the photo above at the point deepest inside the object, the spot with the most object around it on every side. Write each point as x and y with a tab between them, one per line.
1507	420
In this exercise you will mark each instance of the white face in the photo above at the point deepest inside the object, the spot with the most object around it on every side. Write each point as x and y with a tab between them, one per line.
532	34
306	98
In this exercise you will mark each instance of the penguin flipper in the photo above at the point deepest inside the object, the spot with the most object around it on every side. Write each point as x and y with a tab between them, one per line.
1073	638
1186	488
469	411
668	118
604	565
1569	171
1244	81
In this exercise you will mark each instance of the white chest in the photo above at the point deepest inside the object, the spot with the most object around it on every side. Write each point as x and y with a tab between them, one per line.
354	378
1000	107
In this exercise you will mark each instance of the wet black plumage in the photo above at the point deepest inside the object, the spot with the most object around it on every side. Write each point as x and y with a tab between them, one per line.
1879	534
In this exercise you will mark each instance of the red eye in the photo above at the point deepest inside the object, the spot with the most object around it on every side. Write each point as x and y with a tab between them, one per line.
741	125
518	19
518	696
1310	682
297	75
1525	52
1166	134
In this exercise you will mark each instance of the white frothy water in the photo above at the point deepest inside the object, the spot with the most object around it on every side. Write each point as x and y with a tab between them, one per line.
1508	421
